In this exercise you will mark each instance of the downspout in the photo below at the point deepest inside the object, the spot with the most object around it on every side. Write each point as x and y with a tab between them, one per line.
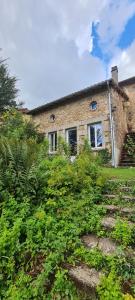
112	126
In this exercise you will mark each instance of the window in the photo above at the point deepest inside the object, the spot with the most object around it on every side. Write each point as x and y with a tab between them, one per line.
52	142
72	140
95	135
52	118
93	105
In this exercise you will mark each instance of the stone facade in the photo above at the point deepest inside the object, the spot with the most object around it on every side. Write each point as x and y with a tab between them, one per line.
77	114
119	112
115	111
130	91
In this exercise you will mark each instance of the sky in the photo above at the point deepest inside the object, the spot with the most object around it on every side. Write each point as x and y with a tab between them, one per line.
56	47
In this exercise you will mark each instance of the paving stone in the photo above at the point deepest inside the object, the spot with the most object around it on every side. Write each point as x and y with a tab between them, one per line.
111	208
108	222
107	246
110	196
128	198
115	208
123	197
125	189
127	210
85	276
90	240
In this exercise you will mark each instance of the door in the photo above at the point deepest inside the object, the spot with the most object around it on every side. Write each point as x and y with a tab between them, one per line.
96	136
72	140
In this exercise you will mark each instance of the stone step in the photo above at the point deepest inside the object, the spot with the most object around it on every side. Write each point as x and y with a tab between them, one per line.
126	189
122	210
86	278
126	160
128	181
127	164
126	155
109	223
106	245
123	197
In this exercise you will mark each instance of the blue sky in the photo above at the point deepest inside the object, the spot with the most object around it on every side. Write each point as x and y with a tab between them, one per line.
57	47
128	35
125	40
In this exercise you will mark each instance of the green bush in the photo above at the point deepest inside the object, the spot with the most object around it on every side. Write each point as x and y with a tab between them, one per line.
109	288
46	204
123	232
13	125
104	157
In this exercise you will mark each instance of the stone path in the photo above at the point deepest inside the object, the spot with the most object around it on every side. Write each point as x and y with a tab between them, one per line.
106	245
86	277
123	210
109	223
123	197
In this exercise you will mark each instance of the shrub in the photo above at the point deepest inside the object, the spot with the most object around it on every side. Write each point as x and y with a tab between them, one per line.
123	232
109	288
13	125
104	157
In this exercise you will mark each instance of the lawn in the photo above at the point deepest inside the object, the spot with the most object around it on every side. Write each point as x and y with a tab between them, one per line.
120	173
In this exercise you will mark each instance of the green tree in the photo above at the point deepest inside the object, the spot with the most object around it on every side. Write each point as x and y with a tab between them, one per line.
8	90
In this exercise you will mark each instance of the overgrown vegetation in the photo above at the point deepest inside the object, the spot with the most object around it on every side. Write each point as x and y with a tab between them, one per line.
130	147
46	204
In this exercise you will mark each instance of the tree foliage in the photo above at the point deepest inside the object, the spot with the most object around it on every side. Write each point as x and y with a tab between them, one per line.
8	90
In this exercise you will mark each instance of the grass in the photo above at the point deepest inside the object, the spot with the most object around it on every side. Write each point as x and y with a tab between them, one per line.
119	173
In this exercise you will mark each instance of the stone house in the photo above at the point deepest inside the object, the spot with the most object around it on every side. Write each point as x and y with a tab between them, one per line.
104	113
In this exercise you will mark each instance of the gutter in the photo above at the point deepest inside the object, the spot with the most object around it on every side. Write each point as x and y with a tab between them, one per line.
112	126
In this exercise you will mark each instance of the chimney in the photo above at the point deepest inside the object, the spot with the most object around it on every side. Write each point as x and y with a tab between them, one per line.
115	74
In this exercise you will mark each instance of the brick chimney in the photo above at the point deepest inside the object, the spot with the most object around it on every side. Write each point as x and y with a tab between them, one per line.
115	74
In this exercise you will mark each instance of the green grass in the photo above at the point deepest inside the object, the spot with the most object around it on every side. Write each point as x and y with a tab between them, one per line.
120	173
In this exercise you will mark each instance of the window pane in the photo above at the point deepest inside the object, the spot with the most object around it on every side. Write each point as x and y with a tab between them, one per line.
72	140
53	141
55	145
99	135
92	135
93	105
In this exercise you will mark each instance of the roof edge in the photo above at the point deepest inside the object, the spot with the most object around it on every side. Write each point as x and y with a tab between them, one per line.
127	81
96	88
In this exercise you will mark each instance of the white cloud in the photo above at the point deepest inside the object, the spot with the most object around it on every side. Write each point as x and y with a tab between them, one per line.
112	23
126	62
49	43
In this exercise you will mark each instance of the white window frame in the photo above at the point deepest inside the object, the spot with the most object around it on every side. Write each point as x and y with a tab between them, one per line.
54	133
89	135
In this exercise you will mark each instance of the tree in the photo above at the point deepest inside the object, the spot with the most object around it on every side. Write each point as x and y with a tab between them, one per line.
13	125
8	90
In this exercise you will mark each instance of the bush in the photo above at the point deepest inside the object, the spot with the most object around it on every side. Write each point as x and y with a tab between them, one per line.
46	204
104	157
13	125
109	288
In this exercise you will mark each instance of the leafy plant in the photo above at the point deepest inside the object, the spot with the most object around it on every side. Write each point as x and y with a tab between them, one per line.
109	289
104	156
123	232
130	147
